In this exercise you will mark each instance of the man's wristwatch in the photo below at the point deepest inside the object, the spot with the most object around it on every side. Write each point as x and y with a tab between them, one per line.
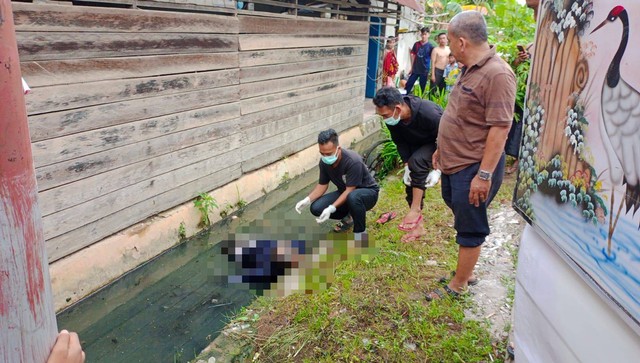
484	175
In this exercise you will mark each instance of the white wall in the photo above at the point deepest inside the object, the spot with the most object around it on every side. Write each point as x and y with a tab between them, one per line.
406	40
559	318
409	20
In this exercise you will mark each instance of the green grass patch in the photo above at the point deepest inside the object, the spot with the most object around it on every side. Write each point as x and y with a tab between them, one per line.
375	309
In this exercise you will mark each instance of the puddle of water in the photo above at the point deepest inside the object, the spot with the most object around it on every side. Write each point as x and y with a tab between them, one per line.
172	307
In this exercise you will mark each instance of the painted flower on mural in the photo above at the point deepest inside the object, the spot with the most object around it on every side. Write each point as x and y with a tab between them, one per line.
579	189
577	15
576	127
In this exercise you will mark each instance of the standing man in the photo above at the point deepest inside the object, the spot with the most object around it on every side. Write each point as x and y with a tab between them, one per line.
413	124
471	140
357	190
512	148
420	61
439	60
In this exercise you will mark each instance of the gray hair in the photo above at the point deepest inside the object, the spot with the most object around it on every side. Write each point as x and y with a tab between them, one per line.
470	25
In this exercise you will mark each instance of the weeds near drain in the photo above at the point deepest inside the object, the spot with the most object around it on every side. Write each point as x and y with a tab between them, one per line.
182	231
205	204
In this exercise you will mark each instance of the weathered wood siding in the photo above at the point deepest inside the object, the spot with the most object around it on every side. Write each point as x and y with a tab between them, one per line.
297	77
135	111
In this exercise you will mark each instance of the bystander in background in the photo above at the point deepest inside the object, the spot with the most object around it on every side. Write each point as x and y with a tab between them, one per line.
389	64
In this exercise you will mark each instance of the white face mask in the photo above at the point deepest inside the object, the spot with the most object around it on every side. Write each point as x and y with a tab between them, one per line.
392	121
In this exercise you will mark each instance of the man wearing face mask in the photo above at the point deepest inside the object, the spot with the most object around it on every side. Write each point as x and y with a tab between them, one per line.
413	124
357	190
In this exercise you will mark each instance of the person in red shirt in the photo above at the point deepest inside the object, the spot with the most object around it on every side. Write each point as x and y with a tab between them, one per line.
390	64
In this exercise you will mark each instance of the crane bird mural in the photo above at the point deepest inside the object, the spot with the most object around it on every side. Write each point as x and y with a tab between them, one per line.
579	163
621	118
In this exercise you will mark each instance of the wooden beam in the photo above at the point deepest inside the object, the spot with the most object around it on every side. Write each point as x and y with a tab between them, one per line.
267	116
27	318
56	124
256	133
284	98
74	96
262	73
69	45
291	84
56	18
86	235
280	56
219	138
279	41
69	71
300	25
160	141
159	5
271	149
66	220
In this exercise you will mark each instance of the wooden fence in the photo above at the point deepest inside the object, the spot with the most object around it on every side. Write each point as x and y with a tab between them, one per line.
134	112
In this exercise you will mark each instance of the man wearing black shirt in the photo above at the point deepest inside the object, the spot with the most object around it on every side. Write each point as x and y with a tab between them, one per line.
413	124
357	190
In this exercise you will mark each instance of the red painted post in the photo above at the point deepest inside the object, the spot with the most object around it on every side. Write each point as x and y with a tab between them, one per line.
27	317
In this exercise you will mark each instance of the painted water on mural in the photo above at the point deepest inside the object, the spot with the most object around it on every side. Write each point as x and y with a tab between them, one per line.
586	243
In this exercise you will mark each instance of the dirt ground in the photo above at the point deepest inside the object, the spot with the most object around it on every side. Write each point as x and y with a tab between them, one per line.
496	270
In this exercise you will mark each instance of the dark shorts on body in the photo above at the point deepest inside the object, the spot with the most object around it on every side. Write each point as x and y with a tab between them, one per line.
471	222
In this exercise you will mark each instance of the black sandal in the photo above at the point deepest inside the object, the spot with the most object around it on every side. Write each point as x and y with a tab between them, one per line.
445	279
343	226
442	294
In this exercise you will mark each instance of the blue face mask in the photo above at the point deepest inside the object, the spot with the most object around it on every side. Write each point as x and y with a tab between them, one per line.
392	121
329	160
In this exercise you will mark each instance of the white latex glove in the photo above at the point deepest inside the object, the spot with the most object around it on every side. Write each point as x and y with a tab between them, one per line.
432	178
406	178
326	213
301	204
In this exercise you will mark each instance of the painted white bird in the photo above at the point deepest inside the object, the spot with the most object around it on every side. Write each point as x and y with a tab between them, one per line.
621	117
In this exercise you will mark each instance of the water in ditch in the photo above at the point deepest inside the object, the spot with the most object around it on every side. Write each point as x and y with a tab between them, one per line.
172	307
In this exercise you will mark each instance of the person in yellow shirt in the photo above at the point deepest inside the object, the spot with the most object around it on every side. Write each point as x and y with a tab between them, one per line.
451	72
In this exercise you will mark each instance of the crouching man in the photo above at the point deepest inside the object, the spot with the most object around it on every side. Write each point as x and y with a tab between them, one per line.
357	190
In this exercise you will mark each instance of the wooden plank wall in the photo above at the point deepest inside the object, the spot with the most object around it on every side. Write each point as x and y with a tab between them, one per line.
132	111
298	77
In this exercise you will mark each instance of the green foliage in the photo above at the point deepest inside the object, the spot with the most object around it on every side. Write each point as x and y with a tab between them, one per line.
389	154
510	25
205	204
182	231
418	91
440	98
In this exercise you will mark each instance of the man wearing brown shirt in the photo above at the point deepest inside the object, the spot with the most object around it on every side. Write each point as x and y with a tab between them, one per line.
471	139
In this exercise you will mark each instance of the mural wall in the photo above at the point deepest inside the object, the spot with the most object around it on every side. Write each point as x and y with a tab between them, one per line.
579	175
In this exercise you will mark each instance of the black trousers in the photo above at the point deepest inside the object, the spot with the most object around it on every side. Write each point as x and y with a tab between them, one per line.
358	203
440	81
412	80
470	222
419	167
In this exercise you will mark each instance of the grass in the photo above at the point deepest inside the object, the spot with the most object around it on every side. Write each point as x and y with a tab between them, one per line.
205	204
375	310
